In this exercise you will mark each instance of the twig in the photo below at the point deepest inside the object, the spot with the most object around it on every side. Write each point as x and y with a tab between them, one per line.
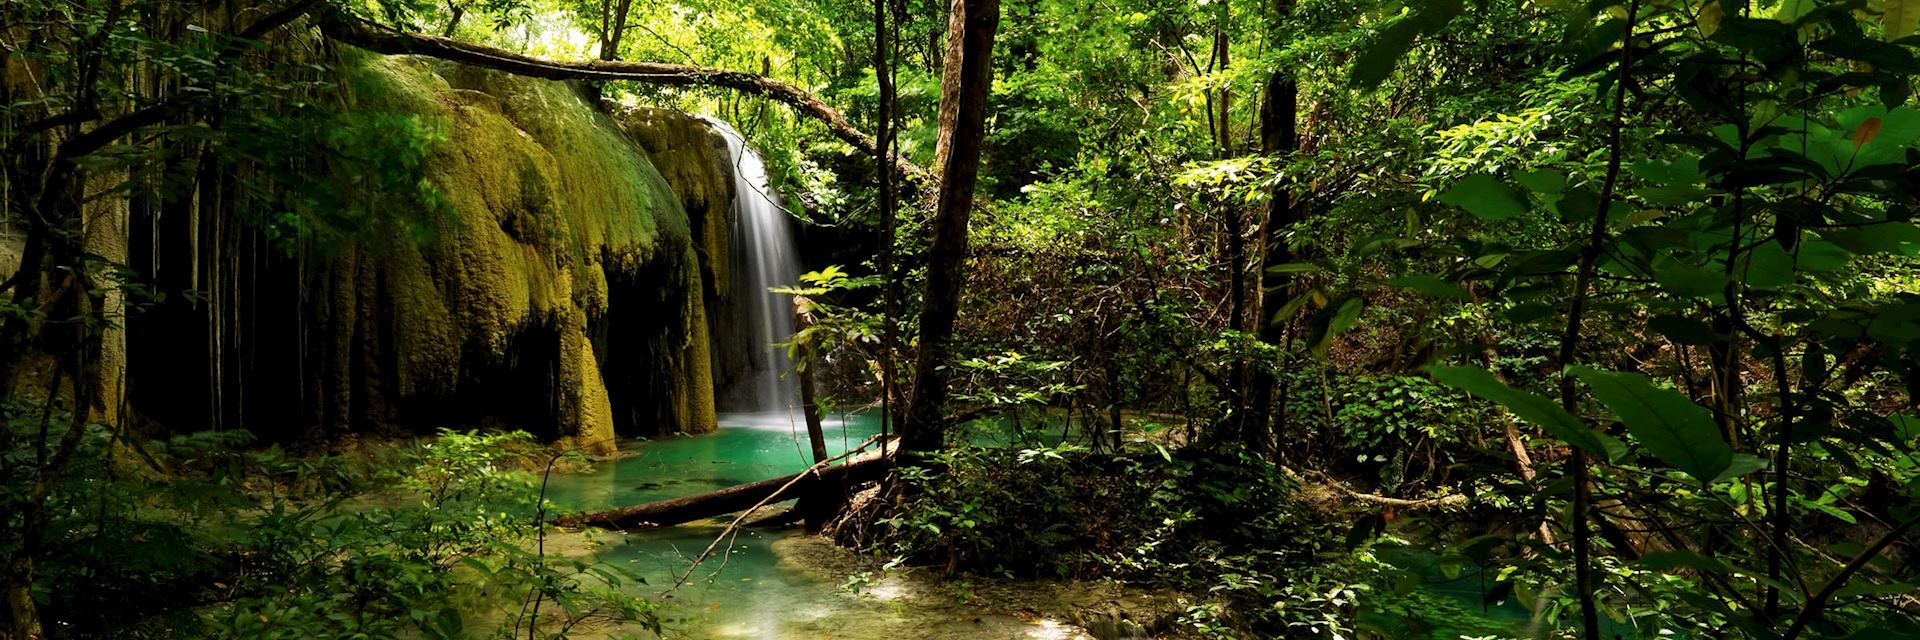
1818	604
540	546
811	471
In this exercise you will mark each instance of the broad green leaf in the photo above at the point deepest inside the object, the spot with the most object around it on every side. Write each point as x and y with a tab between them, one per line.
1864	588
1905	427
1899	128
1485	197
1708	15
1344	318
1832	511
1293	306
1530	407
1743	464
1682	279
1899	19
1820	255
1295	267
1898	238
1545	181
1895	323
1791	10
1769	267
1432	286
1377	61
1671	427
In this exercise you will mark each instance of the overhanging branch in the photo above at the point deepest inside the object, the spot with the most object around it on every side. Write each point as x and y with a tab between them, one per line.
378	39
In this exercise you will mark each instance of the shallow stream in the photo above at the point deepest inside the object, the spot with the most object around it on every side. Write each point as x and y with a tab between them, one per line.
782	584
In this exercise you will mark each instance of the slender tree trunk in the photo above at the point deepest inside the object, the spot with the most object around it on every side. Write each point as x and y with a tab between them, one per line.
610	41
1220	118
1279	138
23	615
453	20
883	64
964	88
804	361
1578	466
1114	425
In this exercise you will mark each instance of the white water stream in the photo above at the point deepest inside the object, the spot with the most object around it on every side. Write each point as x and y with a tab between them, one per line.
762	256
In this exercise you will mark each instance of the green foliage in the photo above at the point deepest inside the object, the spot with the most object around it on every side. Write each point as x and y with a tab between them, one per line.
1537	411
1393	42
199	536
1734	242
360	164
1228	526
1485	197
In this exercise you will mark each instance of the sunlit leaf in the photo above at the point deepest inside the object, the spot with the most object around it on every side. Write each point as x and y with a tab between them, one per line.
1485	197
1898	18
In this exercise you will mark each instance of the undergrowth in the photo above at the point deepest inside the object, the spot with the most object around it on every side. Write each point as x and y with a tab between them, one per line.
1223	528
201	536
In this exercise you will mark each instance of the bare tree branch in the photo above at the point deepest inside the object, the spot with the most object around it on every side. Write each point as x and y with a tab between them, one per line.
379	39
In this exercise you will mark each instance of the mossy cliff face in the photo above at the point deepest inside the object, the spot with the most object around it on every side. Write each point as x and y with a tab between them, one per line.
694	160
562	294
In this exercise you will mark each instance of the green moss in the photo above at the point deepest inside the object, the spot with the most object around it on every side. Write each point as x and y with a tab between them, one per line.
694	404
549	200
694	163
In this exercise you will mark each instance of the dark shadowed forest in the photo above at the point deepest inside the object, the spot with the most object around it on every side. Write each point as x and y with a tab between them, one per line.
889	319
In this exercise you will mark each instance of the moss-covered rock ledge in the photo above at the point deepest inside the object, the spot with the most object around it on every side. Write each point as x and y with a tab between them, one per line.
562	295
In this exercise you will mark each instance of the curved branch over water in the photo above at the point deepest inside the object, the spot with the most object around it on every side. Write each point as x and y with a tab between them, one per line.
379	39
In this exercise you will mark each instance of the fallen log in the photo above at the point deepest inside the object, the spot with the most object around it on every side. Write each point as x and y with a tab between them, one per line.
869	466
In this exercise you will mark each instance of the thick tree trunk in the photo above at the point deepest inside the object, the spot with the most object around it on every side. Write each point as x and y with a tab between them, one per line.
23	616
1279	138
964	87
735	498
367	36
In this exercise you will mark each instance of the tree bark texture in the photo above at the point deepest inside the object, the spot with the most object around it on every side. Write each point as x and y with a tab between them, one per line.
965	85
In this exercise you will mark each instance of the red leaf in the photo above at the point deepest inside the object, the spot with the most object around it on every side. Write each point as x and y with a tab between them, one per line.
1868	130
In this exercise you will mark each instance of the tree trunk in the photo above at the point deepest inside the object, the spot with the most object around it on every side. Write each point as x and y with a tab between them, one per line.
1279	138
884	53
616	27
803	359
24	617
964	88
453	21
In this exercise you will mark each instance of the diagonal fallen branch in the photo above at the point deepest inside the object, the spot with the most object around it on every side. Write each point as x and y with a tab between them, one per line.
359	33
811	472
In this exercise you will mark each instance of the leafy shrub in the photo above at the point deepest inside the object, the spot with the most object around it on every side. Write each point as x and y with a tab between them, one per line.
1224	525
197	536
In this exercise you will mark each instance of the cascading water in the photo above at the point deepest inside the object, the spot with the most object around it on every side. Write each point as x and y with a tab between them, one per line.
762	256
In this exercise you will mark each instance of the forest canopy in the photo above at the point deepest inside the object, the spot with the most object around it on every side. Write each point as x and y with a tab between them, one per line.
1303	318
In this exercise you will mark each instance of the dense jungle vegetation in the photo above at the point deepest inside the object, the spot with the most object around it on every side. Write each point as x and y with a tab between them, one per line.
1605	312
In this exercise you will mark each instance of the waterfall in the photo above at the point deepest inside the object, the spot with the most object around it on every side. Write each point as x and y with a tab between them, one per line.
762	256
